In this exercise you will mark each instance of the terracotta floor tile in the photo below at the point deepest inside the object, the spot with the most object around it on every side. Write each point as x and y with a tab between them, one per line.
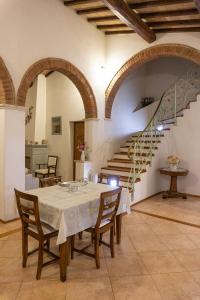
134	218
84	267
177	241
159	262
138	229
135	288
9	291
123	265
124	247
177	286
93	289
11	248
146	242
165	227
44	290
190	259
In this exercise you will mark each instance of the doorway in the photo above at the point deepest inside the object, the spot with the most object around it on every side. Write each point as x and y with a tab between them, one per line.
79	138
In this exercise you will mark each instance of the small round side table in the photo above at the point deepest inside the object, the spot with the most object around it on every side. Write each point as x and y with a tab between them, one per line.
173	193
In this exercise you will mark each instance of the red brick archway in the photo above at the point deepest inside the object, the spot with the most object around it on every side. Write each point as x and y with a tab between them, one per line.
141	58
66	68
7	91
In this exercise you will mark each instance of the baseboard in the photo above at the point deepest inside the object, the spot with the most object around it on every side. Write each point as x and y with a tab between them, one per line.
10	232
9	221
145	199
166	218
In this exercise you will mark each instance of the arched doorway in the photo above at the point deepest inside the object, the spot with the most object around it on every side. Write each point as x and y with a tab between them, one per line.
141	58
66	68
7	91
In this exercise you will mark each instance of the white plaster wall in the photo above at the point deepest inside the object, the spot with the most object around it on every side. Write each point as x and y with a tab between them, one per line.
119	48
12	138
31	30
63	99
182	140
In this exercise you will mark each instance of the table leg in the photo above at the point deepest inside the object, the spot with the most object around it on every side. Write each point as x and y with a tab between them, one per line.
173	184
118	228
63	261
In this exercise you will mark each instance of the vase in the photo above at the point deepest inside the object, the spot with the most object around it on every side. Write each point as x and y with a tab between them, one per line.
173	167
82	155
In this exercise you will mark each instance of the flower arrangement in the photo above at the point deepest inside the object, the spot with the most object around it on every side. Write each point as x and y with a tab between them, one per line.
173	161
84	151
81	147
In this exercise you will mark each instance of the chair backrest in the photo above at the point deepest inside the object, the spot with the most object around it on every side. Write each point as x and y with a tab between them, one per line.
109	203
28	209
50	181
52	160
111	179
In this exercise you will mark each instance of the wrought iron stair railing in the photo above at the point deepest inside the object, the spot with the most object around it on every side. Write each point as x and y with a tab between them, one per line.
171	105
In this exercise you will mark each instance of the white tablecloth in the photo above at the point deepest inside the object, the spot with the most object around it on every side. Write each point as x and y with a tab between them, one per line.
72	212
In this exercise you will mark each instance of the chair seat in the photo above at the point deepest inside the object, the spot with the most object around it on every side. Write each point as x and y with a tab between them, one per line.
104	223
45	171
45	227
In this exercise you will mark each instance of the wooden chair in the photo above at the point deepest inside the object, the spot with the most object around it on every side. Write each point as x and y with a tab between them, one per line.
50	167
50	181
110	179
32	226
109	203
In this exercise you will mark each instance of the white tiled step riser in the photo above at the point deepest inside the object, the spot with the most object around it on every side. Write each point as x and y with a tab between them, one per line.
125	150
122	156
120	164
121	183
115	172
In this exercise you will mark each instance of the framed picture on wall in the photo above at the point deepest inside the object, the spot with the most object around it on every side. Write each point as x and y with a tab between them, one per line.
56	123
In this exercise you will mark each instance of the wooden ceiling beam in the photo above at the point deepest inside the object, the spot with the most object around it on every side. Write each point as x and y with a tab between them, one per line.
161	30
131	19
197	2
135	6
78	2
167	24
166	14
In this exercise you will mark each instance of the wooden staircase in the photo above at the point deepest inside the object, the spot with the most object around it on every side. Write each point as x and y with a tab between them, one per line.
121	164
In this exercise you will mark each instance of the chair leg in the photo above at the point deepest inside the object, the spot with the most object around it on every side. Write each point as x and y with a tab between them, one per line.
40	259
112	241
24	248
96	247
80	235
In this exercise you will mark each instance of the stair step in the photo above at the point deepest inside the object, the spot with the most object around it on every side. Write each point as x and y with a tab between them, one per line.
118	171
123	163
143	148
125	155
149	136
123	180
128	143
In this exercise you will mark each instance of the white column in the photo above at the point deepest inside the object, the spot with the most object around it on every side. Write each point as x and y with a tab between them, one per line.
12	158
40	109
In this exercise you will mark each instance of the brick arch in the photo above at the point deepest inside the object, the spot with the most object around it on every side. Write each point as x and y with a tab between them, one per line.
66	68
141	58
7	90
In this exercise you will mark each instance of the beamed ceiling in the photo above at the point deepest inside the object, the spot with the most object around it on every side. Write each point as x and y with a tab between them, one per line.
145	17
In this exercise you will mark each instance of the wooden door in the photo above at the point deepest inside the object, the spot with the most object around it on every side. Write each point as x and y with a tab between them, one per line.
79	138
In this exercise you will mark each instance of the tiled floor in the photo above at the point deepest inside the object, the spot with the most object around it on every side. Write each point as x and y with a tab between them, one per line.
156	260
185	210
9	227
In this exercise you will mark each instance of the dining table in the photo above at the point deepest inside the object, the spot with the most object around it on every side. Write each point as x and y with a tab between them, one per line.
71	212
